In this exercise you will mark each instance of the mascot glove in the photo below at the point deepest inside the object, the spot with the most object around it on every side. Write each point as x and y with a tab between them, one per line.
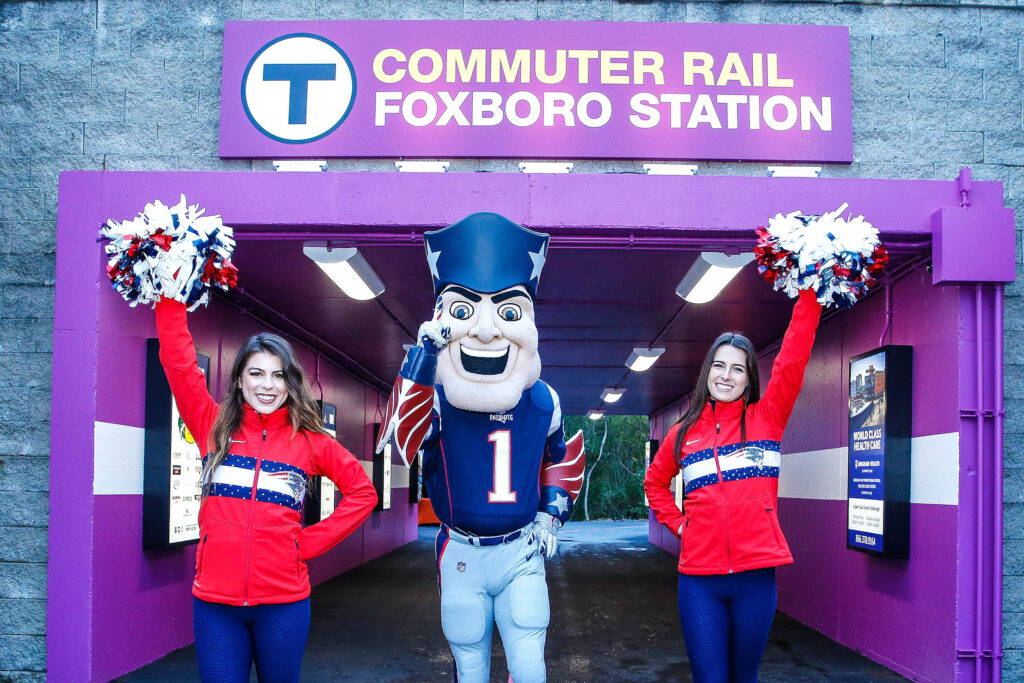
545	531
433	337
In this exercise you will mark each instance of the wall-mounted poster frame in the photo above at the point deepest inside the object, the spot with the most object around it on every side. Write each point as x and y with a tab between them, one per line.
382	472
320	502
172	469
878	496
650	448
416	479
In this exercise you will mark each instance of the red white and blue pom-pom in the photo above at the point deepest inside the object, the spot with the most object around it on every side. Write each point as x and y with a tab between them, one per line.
838	258
173	252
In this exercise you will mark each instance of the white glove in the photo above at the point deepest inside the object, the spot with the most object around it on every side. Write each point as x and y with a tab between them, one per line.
545	531
432	336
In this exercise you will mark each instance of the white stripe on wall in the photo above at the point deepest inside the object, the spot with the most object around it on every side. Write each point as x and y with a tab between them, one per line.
822	475
117	459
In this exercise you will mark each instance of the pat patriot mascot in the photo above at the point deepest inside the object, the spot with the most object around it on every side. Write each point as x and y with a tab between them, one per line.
500	475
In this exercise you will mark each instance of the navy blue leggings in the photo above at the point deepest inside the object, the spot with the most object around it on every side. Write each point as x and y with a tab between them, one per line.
726	619
229	638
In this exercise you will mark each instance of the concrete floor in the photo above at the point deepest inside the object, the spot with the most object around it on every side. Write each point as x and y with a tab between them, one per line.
614	618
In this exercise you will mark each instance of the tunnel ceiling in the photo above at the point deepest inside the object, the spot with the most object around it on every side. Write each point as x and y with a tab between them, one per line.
594	305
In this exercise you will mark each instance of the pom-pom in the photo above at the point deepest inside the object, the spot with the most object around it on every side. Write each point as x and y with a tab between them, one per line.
173	252
839	259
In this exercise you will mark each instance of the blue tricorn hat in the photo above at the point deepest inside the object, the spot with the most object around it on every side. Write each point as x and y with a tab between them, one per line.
487	253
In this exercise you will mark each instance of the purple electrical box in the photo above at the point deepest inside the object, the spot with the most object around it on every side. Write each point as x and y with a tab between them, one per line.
973	244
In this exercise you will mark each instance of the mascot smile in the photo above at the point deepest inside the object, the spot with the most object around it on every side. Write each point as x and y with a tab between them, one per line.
492	356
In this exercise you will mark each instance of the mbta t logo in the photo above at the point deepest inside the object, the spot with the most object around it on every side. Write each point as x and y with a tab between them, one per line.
298	88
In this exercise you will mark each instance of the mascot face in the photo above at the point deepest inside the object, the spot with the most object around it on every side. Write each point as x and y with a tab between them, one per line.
492	356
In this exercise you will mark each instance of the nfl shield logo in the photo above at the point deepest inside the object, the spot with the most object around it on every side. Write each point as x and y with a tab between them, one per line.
461	566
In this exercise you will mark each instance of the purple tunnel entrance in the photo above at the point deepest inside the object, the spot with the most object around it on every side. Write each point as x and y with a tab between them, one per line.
620	244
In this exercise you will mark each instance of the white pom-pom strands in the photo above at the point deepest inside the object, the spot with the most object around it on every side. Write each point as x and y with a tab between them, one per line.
174	252
838	258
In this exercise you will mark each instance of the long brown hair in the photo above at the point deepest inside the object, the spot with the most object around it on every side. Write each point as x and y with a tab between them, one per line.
700	395
303	412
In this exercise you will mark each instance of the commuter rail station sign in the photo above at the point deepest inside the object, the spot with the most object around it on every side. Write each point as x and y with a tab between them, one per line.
560	90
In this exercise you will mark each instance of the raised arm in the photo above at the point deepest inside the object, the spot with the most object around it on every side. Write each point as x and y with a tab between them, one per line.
791	361
408	413
188	384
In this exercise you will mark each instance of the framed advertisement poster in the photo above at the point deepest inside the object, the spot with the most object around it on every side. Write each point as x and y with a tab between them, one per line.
416	479
173	463
650	448
878	496
382	472
320	501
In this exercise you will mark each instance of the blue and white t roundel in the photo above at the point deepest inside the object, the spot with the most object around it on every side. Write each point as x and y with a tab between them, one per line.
298	88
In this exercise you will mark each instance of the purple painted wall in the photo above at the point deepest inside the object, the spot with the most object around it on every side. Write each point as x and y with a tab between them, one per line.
901	613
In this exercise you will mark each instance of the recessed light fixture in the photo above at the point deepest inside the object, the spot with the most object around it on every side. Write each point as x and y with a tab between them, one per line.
545	167
670	169
642	358
347	268
595	414
612	394
422	166
709	275
794	171
306	165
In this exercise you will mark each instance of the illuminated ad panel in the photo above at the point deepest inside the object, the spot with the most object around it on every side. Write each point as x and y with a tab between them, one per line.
878	498
536	90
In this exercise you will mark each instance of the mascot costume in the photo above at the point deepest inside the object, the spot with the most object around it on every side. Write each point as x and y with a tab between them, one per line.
500	475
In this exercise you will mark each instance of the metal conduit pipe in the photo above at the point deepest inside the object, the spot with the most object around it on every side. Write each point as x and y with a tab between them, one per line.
631	241
986	653
997	478
979	519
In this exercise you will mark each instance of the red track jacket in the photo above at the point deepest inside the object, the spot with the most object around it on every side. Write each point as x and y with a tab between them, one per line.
252	546
729	511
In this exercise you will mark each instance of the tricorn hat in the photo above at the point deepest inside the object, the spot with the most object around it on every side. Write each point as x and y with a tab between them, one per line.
487	253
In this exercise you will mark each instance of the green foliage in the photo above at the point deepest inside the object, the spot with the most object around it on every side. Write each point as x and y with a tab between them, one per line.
616	471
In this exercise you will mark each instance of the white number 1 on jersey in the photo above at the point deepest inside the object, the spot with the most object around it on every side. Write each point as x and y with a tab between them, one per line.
502	493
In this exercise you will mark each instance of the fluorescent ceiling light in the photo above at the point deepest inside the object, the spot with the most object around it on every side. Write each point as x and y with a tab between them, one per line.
307	165
641	359
709	275
545	167
612	394
422	166
670	169
595	414
347	268
794	171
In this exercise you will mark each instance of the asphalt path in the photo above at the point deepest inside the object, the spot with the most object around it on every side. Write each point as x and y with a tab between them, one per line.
613	618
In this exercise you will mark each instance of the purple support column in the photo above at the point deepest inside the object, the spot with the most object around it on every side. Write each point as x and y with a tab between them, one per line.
979	607
73	410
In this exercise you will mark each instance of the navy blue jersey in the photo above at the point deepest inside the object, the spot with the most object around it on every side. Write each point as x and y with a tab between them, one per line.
482	470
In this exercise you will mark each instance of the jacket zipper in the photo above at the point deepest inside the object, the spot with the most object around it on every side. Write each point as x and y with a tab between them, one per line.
721	480
252	510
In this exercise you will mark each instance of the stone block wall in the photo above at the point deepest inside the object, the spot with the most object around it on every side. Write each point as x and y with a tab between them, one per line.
133	84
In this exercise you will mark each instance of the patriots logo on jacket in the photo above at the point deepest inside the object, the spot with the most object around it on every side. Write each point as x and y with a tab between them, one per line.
291	481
